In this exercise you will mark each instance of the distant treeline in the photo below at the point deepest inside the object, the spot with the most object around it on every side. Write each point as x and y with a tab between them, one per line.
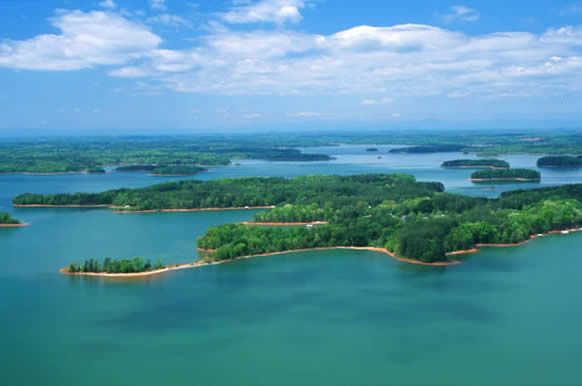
92	154
476	163
7	219
560	162
109	265
438	148
517	175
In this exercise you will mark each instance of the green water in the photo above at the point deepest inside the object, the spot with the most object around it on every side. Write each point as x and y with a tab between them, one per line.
506	317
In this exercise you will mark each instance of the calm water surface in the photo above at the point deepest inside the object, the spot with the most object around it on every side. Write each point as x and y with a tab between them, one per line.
507	317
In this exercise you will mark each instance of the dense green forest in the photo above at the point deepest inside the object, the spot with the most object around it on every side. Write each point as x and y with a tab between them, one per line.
109	265
560	162
7	219
253	191
476	163
517	175
425	228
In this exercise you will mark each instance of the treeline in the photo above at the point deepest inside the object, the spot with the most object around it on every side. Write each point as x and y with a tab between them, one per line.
90	154
476	163
436	148
109	265
560	162
333	191
7	219
507	174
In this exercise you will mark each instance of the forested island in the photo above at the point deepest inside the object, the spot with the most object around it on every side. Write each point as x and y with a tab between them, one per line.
394	213
6	220
564	162
109	265
506	175
163	170
476	164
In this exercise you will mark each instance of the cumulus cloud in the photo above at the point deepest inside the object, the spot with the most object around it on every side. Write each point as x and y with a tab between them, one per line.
87	39
265	11
461	13
398	60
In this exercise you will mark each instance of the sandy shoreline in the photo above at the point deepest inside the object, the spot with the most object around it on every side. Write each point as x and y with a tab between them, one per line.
532	237
14	225
475	167
504	179
199	264
59	206
282	224
192	209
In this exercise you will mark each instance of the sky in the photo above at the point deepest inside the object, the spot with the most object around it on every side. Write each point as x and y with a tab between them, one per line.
181	66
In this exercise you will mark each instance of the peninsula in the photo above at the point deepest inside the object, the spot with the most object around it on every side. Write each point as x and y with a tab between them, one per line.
411	220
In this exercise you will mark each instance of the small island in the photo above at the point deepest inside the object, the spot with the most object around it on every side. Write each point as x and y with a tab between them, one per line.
163	170
7	221
372	149
475	164
560	162
113	266
506	175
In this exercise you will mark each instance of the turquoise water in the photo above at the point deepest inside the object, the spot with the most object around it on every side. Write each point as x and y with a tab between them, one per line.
506	317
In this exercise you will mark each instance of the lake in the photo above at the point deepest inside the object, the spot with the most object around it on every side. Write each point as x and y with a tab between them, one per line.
506	317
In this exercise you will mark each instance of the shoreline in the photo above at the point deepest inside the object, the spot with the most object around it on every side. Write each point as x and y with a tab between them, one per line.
353	248
22	225
478	247
474	167
504	179
192	209
60	206
282	224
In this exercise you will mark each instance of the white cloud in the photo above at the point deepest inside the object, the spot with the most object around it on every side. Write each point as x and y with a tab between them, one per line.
461	13
158	5
399	60
109	4
378	101
265	11
86	40
306	114
169	20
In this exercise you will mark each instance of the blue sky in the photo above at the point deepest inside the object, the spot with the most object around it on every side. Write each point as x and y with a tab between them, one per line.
179	66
